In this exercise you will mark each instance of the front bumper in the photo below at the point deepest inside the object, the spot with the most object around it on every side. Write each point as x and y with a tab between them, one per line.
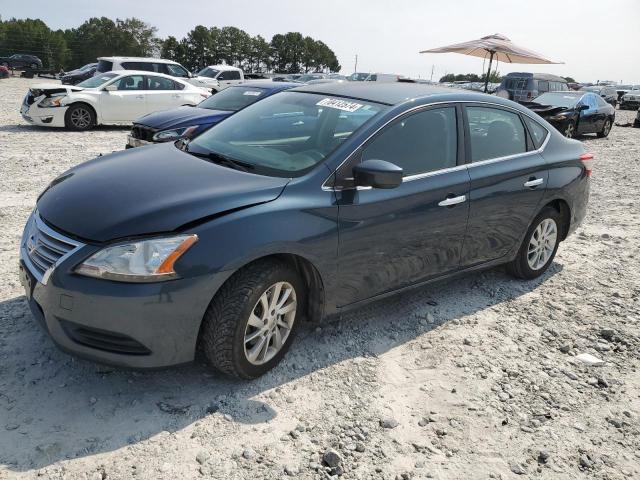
133	325
46	117
629	104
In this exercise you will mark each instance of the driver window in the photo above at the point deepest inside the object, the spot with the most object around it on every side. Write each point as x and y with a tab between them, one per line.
419	143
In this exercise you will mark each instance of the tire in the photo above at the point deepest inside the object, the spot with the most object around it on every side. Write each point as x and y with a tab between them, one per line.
606	128
570	129
80	117
524	265
226	334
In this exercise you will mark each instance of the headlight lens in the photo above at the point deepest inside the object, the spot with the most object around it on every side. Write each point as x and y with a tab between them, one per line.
175	134
53	101
143	261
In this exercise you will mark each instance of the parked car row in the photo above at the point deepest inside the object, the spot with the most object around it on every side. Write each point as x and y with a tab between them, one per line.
308	201
21	61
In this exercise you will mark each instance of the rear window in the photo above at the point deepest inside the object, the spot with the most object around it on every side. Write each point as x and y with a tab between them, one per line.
104	66
537	131
233	99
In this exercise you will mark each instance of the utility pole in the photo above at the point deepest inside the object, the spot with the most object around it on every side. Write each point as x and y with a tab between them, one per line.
355	68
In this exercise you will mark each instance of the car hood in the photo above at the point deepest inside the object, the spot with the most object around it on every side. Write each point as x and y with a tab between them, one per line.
182	116
197	80
147	190
546	110
51	88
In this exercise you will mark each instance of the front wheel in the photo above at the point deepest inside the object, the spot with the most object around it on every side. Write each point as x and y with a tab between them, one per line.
79	117
252	320
606	128
539	246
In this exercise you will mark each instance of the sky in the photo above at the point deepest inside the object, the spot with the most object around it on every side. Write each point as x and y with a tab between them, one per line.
596	39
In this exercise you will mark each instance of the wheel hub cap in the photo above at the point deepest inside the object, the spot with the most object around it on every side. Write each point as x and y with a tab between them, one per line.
542	244
270	323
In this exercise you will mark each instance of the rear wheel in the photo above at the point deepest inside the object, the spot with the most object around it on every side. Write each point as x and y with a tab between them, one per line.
570	129
606	128
252	320
79	117
539	246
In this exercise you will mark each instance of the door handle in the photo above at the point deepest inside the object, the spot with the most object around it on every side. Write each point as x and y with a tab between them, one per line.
448	202
139	96
534	182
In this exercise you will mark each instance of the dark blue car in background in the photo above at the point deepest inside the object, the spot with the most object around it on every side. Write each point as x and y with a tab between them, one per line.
189	122
310	202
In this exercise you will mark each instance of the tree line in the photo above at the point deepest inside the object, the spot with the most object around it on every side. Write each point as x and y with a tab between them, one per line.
71	48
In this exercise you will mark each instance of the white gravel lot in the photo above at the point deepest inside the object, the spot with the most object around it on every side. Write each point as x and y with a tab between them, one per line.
473	378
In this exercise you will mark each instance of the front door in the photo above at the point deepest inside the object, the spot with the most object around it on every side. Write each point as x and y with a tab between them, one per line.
227	78
587	123
393	238
127	102
508	180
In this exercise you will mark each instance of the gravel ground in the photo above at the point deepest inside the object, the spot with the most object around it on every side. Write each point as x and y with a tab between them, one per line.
473	378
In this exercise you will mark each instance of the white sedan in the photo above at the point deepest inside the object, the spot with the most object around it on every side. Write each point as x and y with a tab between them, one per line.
111	98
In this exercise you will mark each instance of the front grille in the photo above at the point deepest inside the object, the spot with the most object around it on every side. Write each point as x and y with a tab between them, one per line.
103	339
43	247
143	133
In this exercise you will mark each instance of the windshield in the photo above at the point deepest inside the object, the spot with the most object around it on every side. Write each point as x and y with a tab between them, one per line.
558	99
286	134
208	72
96	81
233	99
88	66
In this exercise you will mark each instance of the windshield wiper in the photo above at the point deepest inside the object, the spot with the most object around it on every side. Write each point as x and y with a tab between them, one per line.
222	159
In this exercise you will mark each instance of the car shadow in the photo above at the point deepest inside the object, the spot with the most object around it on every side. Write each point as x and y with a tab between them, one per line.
54	406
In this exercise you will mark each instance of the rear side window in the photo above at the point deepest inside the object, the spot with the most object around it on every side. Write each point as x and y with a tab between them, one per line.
104	66
423	142
601	102
538	132
543	86
144	66
175	70
495	133
161	83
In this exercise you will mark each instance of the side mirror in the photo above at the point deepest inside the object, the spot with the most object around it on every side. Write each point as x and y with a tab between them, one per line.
377	174
583	107
110	88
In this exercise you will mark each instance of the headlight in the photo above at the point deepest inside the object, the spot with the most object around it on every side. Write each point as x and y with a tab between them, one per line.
143	261
175	134
54	101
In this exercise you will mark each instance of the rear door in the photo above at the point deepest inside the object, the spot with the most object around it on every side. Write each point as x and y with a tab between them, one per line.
163	93
391	238
508	179
126	103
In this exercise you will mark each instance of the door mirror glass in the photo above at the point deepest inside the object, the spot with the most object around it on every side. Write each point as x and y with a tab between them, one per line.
377	174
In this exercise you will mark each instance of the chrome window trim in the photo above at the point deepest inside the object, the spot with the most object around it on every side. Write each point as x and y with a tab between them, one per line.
418	176
24	256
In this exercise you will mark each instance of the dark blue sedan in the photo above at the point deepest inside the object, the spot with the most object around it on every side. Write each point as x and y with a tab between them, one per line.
310	202
189	122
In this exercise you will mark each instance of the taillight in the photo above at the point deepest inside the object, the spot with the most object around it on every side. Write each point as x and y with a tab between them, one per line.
587	159
528	94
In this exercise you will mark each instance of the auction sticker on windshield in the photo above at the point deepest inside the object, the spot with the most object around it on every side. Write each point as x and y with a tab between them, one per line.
252	93
339	104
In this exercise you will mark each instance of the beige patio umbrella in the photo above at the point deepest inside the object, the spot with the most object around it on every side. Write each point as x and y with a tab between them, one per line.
496	47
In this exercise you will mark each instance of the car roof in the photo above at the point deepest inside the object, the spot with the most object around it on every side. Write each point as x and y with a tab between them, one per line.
267	83
139	59
146	72
392	93
536	76
224	67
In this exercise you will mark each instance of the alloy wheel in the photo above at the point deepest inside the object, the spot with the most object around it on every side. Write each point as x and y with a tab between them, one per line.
80	118
606	128
542	244
270	323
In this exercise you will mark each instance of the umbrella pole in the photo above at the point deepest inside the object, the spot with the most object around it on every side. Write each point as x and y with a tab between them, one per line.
486	80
